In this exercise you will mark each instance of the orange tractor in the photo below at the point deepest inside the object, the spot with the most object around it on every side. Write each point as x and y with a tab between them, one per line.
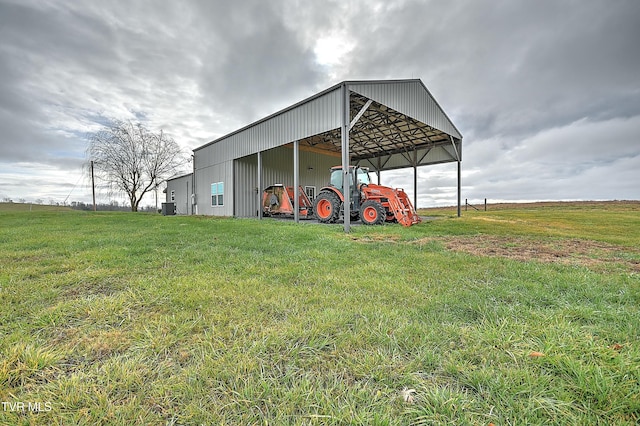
372	204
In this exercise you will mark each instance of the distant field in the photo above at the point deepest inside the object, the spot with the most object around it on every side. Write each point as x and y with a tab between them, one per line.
524	314
620	205
20	207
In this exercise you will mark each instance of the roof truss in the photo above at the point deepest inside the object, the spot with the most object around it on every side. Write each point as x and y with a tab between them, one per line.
378	134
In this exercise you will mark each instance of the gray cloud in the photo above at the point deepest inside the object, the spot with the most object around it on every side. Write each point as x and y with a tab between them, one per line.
546	93
253	63
509	66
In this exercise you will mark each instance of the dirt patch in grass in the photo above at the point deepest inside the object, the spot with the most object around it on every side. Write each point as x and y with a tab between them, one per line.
595	255
587	253
99	287
376	238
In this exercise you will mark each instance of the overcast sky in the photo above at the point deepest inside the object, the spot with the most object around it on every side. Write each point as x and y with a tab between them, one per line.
546	93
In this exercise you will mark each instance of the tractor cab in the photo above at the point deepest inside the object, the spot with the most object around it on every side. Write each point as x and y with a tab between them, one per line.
361	174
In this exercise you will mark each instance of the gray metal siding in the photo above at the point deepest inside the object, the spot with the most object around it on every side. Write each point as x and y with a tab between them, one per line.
246	190
182	193
222	172
311	118
408	97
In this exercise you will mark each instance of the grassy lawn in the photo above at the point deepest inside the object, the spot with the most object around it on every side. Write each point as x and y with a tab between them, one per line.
519	315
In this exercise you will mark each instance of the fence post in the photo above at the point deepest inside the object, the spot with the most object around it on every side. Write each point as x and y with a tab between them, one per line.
485	204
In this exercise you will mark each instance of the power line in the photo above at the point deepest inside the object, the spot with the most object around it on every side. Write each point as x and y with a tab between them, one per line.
74	187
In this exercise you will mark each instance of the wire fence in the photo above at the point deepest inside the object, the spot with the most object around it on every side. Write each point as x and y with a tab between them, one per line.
467	205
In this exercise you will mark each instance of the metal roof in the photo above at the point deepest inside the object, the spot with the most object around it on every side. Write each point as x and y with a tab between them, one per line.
397	123
179	176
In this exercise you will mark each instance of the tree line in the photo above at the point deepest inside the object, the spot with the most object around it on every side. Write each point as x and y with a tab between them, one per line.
112	206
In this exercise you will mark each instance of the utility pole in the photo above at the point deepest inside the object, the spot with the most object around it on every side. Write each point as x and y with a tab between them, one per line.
93	187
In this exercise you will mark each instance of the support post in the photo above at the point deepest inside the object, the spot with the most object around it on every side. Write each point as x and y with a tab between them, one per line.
415	179
346	182
193	186
415	187
259	185
459	189
296	174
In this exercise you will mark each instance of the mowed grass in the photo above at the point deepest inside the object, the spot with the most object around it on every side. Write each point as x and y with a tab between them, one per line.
122	318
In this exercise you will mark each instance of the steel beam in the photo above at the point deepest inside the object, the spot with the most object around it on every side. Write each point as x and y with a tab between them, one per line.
415	179
359	114
296	178
427	151
459	188
455	148
344	133
260	185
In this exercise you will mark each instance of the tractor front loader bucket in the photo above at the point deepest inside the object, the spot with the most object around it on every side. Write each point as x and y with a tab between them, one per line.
402	208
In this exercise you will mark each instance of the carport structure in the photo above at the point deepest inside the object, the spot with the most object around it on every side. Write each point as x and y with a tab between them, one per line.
382	124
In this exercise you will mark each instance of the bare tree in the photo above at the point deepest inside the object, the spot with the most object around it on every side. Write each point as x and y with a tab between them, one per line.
131	159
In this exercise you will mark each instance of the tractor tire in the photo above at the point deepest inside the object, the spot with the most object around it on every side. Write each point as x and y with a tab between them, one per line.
372	213
326	207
